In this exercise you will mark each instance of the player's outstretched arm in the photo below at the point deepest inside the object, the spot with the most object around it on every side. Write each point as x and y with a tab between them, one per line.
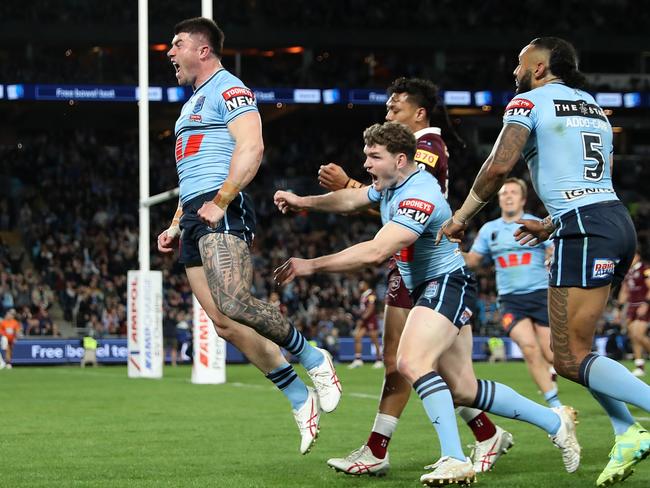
505	154
167	238
390	239
341	201
333	177
246	130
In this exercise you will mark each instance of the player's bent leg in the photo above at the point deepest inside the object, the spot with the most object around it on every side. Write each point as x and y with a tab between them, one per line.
502	400
426	337
229	272
523	333
374	337
372	458
456	368
573	313
267	357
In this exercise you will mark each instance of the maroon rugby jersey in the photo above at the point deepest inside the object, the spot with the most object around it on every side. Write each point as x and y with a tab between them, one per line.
635	279
431	155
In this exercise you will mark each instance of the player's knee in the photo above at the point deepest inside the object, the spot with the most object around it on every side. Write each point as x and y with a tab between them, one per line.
405	367
570	371
531	352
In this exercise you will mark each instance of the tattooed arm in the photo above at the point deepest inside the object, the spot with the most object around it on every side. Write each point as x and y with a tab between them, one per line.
505	154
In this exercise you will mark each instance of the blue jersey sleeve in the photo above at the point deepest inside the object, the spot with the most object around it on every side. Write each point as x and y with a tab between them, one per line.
414	214
234	101
373	195
522	110
480	245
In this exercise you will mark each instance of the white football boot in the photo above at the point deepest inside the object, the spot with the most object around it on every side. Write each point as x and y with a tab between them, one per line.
566	439
448	471
308	418
486	453
360	462
326	383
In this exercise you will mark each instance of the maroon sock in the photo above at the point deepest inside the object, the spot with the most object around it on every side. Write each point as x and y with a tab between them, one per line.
378	444
482	427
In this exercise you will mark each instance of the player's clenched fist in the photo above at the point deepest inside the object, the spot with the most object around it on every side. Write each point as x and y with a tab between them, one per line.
210	213
332	177
168	238
292	269
287	201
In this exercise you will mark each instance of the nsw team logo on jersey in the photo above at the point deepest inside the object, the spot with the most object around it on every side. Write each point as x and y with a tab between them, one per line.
237	97
415	209
603	268
198	105
519	106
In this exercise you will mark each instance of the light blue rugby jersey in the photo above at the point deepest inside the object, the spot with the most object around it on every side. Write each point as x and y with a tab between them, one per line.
204	145
519	269
419	205
569	148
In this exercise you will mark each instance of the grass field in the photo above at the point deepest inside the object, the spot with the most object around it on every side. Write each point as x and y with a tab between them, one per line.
64	426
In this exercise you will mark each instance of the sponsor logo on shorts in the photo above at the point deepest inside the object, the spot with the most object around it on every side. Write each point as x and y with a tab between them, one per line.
584	192
519	106
431	291
507	320
237	97
415	209
465	316
603	268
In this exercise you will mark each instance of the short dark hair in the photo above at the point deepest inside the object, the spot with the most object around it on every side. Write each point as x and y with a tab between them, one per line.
422	93
208	28
395	136
563	60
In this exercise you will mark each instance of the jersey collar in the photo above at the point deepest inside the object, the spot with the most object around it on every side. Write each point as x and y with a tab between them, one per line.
209	79
428	130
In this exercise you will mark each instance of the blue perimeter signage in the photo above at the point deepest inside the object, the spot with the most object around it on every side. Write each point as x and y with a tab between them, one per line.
114	351
326	96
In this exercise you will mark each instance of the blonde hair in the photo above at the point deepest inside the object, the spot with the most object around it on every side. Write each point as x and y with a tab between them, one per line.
518	181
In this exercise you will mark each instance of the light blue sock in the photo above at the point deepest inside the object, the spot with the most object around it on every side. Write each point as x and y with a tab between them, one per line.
289	383
308	355
552	399
619	414
502	400
436	398
611	378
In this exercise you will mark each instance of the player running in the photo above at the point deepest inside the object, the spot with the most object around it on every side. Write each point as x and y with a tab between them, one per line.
411	102
218	152
522	284
435	350
566	140
635	294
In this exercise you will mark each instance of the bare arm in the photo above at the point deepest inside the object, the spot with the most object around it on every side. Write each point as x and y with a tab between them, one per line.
505	154
390	239
340	201
246	130
473	259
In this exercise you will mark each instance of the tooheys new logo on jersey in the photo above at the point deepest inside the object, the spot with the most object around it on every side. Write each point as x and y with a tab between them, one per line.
519	106
238	97
415	209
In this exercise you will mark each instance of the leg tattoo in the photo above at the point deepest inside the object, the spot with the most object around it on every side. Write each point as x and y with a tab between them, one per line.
228	268
566	362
